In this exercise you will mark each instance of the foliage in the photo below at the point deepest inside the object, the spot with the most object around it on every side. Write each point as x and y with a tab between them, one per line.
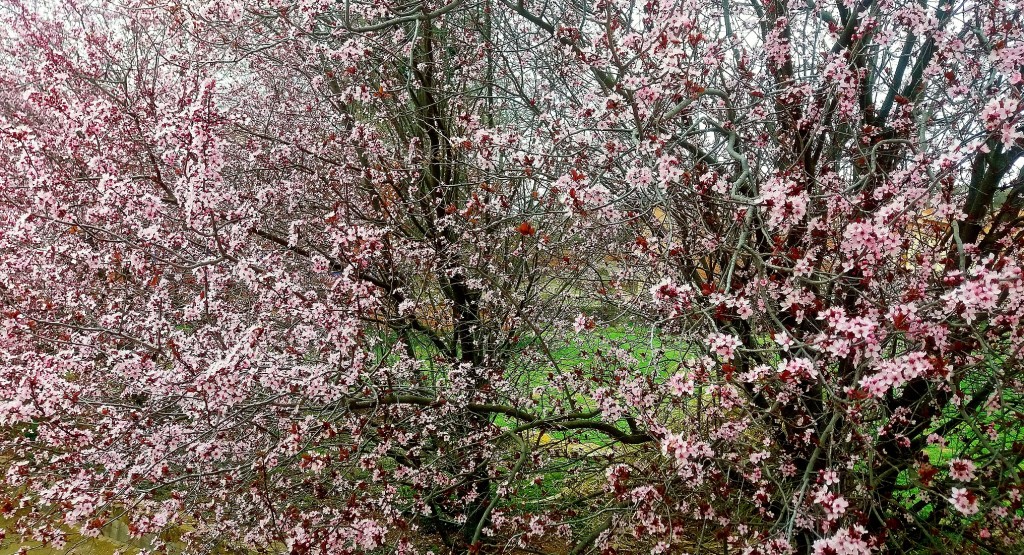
482	276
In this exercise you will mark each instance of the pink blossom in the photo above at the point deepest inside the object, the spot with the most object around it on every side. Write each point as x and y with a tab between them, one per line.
964	500
680	385
846	541
724	345
961	469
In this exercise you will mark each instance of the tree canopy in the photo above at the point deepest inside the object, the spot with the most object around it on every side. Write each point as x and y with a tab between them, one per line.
509	276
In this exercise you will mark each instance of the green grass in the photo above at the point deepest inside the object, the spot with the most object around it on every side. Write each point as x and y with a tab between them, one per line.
658	355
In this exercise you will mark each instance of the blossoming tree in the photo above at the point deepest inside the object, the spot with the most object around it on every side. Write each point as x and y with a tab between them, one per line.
497	276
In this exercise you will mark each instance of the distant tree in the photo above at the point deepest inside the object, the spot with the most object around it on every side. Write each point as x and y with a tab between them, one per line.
496	276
